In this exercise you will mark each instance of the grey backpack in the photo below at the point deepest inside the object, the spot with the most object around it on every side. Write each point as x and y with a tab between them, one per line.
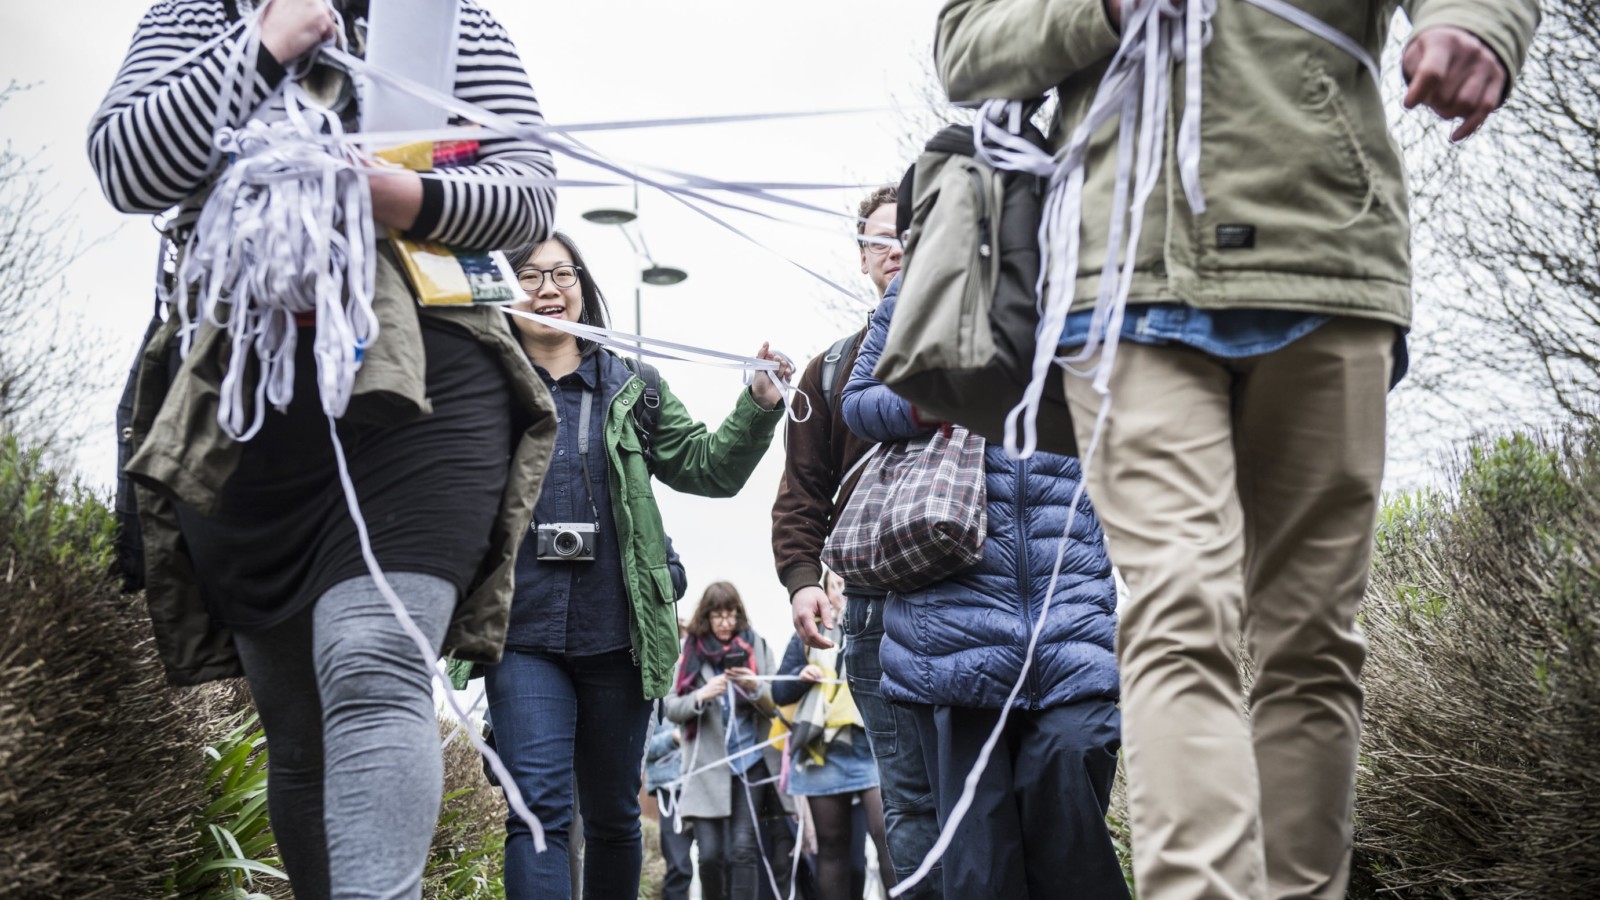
961	343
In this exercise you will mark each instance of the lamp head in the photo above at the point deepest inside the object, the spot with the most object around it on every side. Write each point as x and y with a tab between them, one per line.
606	216
663	275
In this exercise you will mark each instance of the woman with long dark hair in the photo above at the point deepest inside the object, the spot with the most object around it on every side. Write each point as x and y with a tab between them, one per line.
726	711
594	633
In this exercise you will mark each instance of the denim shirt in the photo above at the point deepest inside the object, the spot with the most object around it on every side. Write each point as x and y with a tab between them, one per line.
573	608
1227	333
741	733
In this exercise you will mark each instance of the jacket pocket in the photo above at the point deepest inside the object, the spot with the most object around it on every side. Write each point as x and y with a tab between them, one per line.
661	582
1346	168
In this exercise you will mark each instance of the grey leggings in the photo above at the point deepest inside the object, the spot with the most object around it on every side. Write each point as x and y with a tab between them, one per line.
355	773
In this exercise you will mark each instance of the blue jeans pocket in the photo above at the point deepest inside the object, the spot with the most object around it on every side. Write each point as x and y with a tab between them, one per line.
877	716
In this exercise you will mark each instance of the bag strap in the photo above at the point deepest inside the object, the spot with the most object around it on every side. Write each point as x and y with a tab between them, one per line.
834	373
647	412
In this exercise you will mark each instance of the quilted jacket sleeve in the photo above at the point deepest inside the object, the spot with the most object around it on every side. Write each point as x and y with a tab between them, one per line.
869	407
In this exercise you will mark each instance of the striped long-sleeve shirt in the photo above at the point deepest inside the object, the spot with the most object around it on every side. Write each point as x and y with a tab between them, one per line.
152	149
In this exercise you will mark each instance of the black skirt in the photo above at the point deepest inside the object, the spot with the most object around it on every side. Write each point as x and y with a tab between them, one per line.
429	490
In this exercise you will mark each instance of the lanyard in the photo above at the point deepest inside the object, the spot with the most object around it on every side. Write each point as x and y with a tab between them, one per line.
583	451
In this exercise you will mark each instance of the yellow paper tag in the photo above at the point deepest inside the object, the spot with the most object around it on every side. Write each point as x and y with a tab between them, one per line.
434	272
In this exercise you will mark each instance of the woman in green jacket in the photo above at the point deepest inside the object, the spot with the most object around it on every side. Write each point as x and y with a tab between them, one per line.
594	631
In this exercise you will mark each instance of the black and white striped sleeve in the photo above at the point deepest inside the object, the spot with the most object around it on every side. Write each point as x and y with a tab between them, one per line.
477	214
152	148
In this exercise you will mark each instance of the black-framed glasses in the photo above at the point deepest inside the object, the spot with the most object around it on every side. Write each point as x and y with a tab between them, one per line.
533	279
879	244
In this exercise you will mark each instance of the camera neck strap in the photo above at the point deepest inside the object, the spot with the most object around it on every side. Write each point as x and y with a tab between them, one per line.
585	411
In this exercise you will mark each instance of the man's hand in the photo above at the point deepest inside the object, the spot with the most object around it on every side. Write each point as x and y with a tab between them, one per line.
1451	71
810	604
291	27
812	674
764	388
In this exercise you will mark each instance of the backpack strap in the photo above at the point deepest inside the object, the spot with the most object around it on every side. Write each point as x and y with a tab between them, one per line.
834	372
647	412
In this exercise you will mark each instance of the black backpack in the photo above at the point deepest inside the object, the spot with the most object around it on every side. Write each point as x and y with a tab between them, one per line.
834	372
647	412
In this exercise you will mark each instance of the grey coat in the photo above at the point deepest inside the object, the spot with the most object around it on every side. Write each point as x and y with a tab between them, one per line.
709	794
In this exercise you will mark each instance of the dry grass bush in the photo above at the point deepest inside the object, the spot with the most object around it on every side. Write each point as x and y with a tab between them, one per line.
100	762
469	842
1480	772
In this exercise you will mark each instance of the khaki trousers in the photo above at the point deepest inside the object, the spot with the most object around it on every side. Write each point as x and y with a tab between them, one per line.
1241	493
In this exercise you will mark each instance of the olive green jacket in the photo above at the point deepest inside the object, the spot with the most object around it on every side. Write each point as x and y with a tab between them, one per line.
688	458
181	454
1294	145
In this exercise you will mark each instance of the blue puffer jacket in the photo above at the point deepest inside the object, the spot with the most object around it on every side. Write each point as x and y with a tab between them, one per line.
961	642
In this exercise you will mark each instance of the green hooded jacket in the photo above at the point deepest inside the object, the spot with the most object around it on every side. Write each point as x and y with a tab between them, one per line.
1295	147
688	458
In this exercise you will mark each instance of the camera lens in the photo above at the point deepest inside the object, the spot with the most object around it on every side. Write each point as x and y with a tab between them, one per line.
567	543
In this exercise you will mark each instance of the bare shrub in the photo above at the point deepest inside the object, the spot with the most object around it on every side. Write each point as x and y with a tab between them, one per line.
100	762
1480	765
468	850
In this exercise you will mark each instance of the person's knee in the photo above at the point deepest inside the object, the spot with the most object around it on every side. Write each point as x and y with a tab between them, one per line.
613	829
295	758
369	662
555	820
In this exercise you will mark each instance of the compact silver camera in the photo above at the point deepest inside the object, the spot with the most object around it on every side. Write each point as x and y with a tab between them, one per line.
566	541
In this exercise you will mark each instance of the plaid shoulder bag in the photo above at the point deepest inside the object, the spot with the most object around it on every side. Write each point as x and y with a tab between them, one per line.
918	513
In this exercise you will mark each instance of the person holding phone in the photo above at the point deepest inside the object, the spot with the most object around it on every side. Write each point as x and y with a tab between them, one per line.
726	712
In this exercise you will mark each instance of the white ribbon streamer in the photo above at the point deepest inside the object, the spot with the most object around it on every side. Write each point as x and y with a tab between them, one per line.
636	344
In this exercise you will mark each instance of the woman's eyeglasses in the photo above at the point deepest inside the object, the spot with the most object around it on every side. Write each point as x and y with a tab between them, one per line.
725	616
533	279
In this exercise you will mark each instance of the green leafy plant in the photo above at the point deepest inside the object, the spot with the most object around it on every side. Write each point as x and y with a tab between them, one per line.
233	835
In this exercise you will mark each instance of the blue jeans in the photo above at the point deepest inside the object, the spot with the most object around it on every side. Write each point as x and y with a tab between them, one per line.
909	811
556	717
675	848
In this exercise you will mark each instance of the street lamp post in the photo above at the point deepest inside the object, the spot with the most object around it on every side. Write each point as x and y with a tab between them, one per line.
652	273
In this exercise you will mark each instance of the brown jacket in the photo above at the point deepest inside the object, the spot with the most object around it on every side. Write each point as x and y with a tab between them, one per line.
819	451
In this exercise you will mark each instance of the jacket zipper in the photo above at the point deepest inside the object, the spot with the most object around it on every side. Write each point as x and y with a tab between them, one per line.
984	249
1022	579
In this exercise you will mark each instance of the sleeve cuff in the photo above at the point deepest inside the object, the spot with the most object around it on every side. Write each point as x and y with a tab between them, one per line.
1503	37
801	575
747	402
268	67
431	212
